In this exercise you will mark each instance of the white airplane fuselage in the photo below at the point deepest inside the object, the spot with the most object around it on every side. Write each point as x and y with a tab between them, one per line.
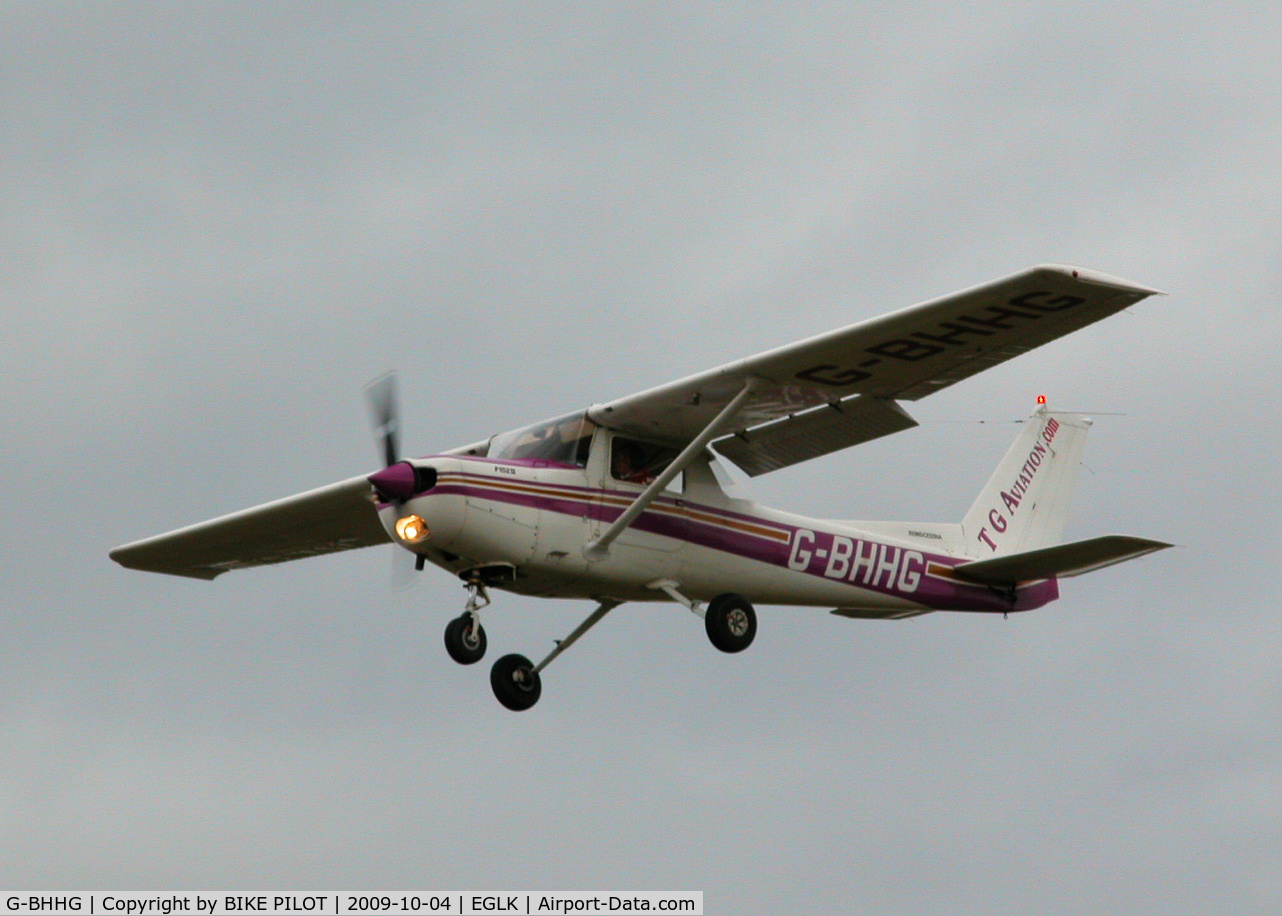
536	517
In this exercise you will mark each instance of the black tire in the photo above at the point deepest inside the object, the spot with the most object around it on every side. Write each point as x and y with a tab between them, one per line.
465	646
731	622
516	684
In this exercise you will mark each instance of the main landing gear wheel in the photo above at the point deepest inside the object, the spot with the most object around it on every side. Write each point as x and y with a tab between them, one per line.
515	682
465	640
731	622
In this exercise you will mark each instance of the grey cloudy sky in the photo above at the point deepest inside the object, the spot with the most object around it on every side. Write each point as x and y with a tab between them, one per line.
220	221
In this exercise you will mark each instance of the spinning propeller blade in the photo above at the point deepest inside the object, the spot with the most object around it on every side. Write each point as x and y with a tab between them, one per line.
381	394
396	482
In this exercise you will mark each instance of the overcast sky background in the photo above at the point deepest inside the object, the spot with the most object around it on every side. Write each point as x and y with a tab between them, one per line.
221	221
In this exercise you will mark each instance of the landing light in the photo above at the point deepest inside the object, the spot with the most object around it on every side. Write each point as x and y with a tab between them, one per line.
411	529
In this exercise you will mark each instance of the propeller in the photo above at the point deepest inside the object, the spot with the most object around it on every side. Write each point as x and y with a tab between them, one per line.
399	480
381	394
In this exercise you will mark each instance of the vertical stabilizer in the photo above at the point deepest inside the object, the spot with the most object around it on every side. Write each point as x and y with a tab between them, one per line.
1025	503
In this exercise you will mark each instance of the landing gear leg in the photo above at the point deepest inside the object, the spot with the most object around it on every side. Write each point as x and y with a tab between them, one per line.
515	679
729	619
464	635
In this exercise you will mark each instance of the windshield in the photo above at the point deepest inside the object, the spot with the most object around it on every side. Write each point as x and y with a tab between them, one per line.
565	440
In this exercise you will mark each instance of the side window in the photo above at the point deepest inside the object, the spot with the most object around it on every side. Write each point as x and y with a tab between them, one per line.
633	461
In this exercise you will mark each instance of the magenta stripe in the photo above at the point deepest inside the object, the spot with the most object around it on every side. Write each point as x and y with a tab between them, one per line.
594	493
931	592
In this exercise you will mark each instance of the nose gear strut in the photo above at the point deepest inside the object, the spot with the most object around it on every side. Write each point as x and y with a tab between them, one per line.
464	636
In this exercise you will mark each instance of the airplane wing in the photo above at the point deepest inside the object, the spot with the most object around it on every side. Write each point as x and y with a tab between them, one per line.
338	517
329	519
839	389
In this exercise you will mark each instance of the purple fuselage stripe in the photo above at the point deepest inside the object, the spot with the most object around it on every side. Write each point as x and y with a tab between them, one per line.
581	502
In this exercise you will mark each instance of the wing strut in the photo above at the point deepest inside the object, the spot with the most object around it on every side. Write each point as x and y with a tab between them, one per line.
599	548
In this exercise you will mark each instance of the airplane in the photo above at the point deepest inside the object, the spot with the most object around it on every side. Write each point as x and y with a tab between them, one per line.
624	501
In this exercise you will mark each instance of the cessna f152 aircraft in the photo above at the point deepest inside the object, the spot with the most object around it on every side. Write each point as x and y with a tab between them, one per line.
620	502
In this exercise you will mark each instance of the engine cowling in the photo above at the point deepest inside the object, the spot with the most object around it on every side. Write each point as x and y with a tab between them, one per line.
403	480
415	510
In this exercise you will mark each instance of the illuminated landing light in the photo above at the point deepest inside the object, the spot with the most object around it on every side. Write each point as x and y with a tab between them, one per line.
411	529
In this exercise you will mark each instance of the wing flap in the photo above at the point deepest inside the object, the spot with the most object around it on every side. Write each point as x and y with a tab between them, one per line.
816	432
337	517
1061	561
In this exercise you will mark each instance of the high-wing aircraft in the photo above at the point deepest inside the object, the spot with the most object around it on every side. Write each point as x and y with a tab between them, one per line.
622	501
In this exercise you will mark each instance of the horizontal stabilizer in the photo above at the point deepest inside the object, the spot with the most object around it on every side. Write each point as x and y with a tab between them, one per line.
1062	561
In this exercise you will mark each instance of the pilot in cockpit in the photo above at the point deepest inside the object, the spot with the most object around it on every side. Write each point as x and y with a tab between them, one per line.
627	462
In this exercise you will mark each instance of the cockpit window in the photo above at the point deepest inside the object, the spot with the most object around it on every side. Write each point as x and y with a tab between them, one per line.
638	462
565	441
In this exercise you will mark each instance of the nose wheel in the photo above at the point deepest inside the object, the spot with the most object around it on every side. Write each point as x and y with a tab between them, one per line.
465	639
464	635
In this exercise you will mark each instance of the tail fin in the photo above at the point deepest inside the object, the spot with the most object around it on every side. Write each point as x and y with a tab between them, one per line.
1024	506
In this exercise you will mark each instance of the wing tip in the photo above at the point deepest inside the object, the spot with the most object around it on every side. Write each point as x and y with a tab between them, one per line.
127	557
1098	278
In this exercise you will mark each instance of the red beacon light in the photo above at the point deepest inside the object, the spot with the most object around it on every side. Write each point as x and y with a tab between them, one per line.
1041	399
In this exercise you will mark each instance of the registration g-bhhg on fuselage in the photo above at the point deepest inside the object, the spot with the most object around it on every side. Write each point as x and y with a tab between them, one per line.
625	501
